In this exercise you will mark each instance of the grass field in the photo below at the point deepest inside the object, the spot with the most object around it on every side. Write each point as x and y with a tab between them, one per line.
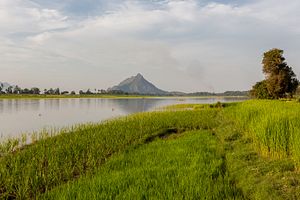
164	169
245	150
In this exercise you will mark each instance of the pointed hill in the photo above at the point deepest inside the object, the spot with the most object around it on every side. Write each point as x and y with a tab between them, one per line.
138	84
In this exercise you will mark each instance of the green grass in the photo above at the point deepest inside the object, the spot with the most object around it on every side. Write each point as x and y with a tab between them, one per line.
247	150
191	167
54	161
273	125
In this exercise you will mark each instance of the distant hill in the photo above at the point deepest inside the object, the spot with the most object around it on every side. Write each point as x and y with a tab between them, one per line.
138	85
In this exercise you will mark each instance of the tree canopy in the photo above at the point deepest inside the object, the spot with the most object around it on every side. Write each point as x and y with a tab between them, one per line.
280	80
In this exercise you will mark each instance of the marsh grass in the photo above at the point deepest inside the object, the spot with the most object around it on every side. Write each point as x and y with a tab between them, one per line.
50	162
273	125
164	169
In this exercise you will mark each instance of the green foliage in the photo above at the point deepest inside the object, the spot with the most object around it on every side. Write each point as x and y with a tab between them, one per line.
280	79
260	90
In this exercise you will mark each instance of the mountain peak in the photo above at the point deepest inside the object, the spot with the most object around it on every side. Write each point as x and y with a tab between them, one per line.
138	84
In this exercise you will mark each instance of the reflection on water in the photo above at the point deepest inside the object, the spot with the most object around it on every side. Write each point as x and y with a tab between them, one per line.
27	115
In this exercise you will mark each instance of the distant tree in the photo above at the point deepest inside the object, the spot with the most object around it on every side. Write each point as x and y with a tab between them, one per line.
64	92
280	80
88	92
35	90
49	92
73	93
81	92
25	91
9	90
1	88
57	91
17	90
103	91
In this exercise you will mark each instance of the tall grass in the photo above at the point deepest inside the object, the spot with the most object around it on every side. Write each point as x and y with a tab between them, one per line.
26	173
192	167
274	126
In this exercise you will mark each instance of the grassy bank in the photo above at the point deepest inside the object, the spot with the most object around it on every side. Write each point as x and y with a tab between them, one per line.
242	150
54	161
167	168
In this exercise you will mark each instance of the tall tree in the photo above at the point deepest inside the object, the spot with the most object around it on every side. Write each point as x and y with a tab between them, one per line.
280	79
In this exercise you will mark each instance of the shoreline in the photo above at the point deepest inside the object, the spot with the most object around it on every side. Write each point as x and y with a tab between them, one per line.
2	97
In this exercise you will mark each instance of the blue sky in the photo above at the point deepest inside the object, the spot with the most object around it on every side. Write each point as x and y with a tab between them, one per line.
191	45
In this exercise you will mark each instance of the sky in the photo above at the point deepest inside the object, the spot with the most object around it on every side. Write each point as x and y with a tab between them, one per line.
179	45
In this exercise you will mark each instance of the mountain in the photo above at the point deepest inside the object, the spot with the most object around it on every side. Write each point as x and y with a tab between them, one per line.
138	84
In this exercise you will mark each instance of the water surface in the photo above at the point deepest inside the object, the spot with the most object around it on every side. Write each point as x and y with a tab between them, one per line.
19	116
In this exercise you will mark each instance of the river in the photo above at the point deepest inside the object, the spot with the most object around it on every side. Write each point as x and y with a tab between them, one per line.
19	116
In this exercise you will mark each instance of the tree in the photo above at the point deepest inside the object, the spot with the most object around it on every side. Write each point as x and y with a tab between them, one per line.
17	90
280	80
64	92
88	92
260	90
1	87
57	91
25	91
9	90
35	90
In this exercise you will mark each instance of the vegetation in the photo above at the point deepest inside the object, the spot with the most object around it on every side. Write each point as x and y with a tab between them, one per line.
54	161
167	168
18	92
247	150
273	125
280	79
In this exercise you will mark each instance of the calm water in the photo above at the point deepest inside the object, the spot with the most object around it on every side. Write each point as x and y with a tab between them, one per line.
19	116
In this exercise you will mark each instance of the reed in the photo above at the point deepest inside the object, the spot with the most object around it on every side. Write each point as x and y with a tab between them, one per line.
37	168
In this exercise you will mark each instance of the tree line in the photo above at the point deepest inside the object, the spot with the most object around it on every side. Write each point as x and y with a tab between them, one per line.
56	91
34	90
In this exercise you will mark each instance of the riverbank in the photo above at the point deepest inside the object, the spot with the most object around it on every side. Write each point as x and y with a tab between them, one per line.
219	151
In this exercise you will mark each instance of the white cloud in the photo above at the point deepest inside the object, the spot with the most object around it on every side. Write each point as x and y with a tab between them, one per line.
22	16
208	47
